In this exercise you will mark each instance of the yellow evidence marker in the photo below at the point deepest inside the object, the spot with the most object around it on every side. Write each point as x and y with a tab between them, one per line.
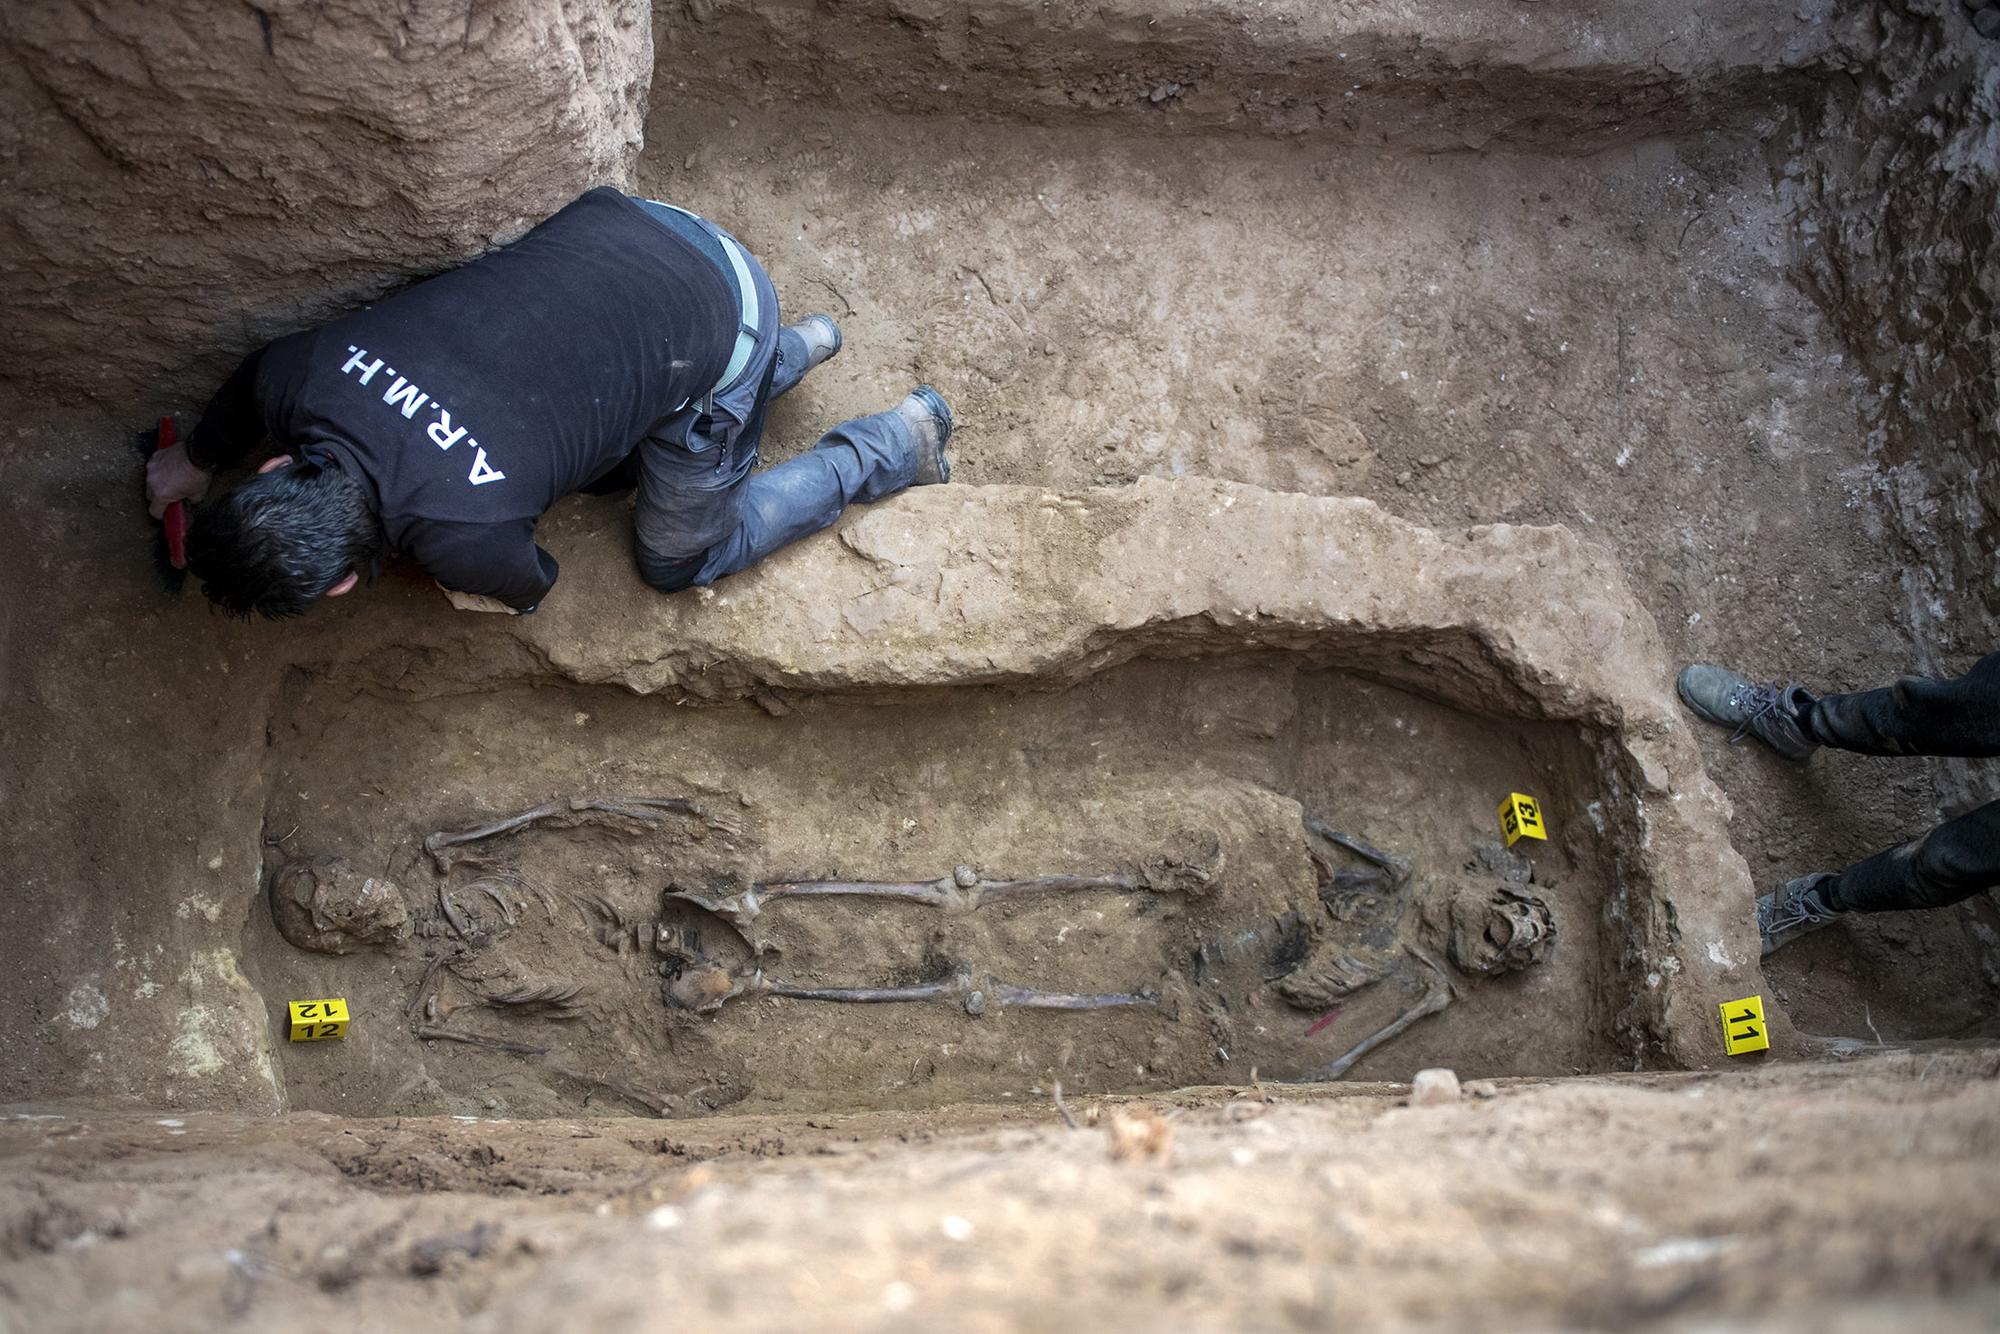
1743	1026
317	1020
1521	817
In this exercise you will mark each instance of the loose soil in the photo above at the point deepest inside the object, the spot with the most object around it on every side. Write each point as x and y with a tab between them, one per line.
1794	1197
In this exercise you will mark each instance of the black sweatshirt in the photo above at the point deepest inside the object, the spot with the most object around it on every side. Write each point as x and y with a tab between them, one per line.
472	402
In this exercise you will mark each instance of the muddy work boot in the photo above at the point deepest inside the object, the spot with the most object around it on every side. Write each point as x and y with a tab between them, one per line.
1770	713
818	337
1795	908
930	421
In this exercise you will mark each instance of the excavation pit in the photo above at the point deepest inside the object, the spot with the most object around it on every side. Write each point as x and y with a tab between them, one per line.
940	715
1203	766
1605	297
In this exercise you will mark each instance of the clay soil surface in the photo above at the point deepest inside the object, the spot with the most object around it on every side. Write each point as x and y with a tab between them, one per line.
1828	1197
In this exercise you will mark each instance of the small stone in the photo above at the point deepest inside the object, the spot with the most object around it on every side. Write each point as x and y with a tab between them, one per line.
964	877
1653	776
1139	1134
975	1004
1481	1088
1987	21
1433	1088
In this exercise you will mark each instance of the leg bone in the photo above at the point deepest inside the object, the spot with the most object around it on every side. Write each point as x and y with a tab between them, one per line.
961	891
481	1040
1397	867
1436	996
700	989
646	810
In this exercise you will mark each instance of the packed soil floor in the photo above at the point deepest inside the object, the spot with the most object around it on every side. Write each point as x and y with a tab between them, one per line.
1792	1197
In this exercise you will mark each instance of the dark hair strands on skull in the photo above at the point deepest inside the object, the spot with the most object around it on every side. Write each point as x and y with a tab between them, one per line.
276	544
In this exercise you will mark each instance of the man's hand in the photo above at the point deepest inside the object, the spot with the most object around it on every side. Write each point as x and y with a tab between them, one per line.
171	475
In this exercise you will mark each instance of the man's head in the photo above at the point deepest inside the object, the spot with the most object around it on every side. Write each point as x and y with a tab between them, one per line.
298	531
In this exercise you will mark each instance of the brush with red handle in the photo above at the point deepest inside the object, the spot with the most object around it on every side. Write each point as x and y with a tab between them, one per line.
170	546
174	523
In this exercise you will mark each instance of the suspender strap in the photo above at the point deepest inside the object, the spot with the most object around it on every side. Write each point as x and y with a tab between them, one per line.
747	329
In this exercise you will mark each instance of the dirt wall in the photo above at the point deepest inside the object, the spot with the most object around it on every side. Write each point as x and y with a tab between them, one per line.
146	240
1898	189
183	180
1569	77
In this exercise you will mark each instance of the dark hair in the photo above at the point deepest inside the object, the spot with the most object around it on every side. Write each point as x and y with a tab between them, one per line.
277	543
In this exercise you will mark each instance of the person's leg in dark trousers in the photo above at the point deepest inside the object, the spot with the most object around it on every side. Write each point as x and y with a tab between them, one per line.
1954	861
698	522
1915	716
1918	716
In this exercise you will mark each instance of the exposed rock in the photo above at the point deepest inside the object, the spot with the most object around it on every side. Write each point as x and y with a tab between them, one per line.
1434	1088
184	181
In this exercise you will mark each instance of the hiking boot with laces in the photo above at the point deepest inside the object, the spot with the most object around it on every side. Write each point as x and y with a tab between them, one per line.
1771	713
1794	909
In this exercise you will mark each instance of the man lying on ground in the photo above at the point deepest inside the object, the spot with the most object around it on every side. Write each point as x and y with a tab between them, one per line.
620	342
